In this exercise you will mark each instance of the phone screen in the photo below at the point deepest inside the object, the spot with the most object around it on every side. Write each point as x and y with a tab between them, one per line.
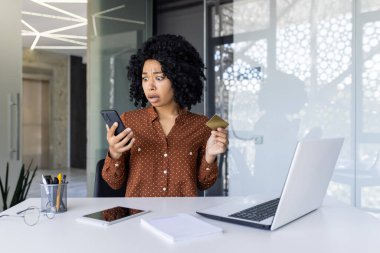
114	214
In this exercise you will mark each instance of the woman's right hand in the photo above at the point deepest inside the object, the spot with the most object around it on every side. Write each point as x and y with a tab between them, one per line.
118	144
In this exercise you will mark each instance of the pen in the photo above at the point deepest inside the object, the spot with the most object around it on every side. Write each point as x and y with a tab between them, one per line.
63	192
50	192
49	180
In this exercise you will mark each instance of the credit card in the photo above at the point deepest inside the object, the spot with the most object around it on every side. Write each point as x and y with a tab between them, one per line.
216	122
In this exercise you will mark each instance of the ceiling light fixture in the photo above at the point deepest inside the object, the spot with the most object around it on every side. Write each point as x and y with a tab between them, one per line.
30	33
32	19
59	10
50	16
52	36
123	20
99	15
35	42
60	47
70	36
36	33
101	12
29	26
62	1
65	28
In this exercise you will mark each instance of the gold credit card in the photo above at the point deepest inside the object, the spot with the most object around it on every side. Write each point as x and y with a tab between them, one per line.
216	122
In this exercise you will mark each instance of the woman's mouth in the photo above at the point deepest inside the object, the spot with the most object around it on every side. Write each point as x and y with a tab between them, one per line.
153	99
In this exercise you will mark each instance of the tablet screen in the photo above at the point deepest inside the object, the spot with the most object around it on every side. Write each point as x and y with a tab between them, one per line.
114	214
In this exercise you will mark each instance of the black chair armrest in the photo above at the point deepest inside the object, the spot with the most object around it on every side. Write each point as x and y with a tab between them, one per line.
101	187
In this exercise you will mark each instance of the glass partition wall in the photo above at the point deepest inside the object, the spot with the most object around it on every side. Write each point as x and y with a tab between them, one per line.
115	30
281	71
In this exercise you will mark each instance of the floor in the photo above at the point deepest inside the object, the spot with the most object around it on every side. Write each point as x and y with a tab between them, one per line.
77	186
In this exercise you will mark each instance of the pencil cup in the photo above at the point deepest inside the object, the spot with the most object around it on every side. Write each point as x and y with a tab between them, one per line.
54	197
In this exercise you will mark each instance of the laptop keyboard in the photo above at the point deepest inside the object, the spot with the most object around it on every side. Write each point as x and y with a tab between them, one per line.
259	212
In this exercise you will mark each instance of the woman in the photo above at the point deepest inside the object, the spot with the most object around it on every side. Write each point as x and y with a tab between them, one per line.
166	150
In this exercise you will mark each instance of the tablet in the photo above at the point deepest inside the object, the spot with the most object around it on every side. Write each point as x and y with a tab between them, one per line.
111	216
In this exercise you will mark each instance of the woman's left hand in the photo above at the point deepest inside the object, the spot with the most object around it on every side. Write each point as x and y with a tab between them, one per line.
216	144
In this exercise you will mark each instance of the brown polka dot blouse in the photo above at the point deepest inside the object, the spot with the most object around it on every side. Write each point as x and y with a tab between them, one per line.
163	166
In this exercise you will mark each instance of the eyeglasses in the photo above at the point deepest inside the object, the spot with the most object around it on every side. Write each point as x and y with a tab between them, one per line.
32	214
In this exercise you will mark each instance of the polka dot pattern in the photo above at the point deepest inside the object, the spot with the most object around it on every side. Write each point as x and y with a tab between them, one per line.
163	166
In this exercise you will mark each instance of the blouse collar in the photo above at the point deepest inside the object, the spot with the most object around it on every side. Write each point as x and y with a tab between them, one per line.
153	115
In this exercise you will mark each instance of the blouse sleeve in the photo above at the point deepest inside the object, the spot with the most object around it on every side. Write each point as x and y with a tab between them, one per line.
114	171
207	173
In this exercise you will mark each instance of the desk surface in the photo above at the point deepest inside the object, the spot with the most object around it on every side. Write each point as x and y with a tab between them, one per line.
332	228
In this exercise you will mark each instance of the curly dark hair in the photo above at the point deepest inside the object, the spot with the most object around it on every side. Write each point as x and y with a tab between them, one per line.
180	62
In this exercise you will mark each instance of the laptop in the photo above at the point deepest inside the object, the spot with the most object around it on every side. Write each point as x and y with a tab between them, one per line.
303	192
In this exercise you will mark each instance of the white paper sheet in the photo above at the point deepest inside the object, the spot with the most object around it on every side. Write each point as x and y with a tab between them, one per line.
180	227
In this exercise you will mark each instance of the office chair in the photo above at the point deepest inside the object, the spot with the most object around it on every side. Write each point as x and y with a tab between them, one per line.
102	189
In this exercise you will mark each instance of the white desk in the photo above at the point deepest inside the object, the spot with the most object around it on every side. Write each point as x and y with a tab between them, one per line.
332	228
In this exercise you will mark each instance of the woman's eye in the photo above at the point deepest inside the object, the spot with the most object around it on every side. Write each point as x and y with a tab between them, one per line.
145	79
160	78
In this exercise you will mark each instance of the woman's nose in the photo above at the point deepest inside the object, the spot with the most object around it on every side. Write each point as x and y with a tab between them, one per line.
151	86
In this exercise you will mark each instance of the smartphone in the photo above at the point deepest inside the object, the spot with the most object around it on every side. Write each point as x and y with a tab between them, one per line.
110	117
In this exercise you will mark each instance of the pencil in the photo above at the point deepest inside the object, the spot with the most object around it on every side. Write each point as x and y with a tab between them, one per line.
58	199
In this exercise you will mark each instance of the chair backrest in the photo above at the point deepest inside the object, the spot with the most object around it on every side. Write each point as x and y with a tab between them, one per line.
102	189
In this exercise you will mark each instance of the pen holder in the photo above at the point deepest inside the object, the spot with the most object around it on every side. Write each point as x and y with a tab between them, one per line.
54	197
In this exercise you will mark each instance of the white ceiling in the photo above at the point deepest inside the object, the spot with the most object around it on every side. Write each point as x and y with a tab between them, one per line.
55	25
